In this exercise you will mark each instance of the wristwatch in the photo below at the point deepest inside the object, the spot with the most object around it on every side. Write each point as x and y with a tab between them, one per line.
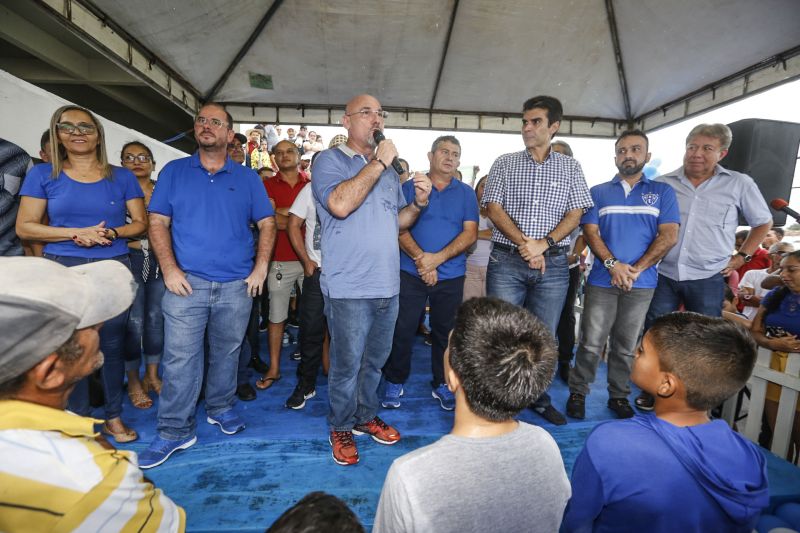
610	262
747	258
550	242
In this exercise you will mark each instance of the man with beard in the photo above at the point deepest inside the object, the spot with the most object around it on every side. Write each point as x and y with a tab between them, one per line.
633	224
200	217
361	209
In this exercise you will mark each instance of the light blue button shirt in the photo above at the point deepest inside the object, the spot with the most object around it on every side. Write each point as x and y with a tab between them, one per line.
709	218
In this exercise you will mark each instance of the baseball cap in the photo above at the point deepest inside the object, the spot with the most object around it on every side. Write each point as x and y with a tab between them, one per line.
307	156
42	303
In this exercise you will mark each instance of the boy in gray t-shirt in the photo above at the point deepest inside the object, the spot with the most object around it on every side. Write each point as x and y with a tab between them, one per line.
491	473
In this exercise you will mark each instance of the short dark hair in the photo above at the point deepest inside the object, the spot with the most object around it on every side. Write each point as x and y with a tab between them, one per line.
317	512
779	231
44	139
742	234
549	104
503	356
711	356
444	139
220	106
70	351
633	133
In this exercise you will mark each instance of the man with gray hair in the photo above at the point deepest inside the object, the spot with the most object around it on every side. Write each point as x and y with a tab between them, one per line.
433	264
64	475
710	199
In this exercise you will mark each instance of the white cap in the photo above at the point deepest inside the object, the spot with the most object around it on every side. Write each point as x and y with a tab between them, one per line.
42	303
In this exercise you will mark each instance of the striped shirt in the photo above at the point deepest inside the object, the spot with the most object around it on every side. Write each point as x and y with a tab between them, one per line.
536	196
54	474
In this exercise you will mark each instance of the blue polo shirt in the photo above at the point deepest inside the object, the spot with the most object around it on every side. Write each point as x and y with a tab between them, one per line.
360	254
629	224
73	204
211	216
440	223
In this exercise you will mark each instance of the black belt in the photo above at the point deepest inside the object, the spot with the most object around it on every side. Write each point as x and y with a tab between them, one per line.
554	250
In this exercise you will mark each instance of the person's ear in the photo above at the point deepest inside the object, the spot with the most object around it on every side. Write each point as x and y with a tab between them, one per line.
668	386
451	378
48	373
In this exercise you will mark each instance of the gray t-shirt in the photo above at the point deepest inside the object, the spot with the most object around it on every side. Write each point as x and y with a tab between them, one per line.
514	482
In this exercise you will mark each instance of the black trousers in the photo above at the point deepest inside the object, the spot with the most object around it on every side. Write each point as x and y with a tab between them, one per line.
566	324
445	297
312	330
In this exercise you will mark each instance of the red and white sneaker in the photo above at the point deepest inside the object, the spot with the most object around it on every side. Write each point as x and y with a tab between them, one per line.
379	430
343	446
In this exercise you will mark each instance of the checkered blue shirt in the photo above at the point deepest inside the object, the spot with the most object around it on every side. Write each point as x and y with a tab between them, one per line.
536	195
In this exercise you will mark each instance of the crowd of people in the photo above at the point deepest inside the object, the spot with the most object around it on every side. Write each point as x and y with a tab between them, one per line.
182	271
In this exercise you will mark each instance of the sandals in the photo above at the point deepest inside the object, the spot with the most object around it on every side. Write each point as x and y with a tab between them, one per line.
264	383
151	384
140	399
128	435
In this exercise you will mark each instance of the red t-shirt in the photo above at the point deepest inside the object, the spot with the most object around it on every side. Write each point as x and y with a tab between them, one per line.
284	194
759	261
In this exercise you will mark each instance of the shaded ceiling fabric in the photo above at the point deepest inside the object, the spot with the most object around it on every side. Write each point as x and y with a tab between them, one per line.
318	52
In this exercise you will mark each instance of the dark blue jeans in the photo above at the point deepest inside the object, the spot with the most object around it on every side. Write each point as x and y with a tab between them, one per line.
702	296
145	328
509	278
112	341
361	338
445	297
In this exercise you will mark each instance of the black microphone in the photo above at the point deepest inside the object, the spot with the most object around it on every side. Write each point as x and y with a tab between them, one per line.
779	204
379	137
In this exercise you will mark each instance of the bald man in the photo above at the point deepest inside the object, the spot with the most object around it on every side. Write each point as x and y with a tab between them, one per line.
361	210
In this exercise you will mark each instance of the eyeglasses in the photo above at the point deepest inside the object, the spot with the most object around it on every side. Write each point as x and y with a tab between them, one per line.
215	122
367	113
83	128
141	158
234	146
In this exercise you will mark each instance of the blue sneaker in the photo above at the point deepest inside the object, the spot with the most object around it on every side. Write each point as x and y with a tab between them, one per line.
160	450
228	422
445	397
391	397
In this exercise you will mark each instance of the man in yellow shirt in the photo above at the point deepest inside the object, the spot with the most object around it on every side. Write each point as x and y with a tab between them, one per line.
56	472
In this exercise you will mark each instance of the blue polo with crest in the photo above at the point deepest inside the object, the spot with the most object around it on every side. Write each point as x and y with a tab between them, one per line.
628	219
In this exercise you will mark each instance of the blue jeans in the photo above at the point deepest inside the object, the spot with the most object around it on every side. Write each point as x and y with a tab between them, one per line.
509	278
361	337
112	341
445	297
222	308
145	327
702	296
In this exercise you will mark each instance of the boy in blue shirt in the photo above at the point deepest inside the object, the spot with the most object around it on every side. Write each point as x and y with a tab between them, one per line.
675	469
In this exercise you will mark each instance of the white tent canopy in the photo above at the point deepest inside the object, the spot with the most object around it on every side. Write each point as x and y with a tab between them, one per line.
449	64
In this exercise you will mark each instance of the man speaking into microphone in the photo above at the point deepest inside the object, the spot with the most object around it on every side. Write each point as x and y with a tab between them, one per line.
361	210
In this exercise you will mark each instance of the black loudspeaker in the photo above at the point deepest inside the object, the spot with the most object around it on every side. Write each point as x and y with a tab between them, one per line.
766	150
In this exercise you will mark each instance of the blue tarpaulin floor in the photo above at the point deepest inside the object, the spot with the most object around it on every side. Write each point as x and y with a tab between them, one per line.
245	481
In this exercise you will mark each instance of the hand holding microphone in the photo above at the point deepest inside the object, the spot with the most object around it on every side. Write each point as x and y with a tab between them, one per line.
387	151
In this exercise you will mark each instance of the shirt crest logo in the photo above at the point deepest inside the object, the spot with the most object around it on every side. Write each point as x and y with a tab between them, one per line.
650	198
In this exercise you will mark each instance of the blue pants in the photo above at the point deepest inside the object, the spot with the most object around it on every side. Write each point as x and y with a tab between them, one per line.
112	341
702	296
221	308
361	337
445	297
509	278
145	328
